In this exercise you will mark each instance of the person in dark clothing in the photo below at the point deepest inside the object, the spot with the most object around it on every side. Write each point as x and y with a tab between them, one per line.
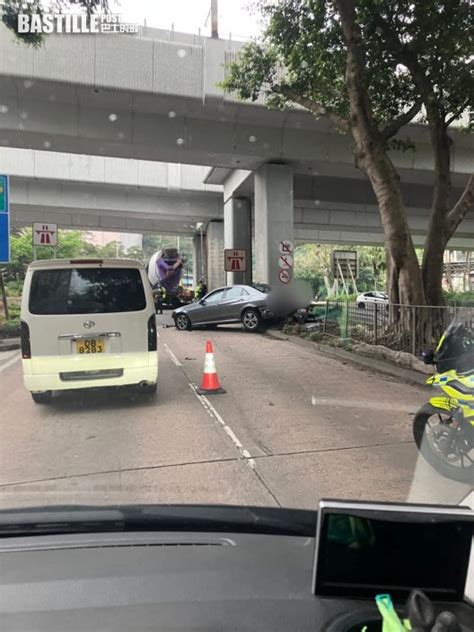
201	290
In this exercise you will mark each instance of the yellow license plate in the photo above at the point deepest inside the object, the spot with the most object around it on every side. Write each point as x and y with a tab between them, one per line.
90	345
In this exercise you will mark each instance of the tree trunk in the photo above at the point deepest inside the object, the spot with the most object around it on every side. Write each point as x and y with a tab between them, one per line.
438	236
404	279
467	271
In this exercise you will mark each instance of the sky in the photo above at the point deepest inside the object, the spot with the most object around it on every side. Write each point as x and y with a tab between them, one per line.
189	16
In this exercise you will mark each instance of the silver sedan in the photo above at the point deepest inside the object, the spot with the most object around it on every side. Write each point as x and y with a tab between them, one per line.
234	304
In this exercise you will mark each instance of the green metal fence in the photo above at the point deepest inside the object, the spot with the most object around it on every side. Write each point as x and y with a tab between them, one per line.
410	328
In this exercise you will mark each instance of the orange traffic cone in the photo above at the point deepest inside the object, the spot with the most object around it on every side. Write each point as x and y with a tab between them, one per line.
210	382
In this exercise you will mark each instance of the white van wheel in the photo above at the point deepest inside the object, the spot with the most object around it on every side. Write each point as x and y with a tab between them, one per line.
42	398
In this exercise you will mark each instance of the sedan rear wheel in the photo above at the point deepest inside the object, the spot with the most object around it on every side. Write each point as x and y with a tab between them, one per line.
182	322
251	319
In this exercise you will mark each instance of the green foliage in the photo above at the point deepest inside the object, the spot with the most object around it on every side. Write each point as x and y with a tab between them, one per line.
460	299
313	263
72	244
13	310
153	243
13	288
433	36
11	9
302	53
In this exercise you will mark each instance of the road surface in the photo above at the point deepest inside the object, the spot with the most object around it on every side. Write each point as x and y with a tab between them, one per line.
294	426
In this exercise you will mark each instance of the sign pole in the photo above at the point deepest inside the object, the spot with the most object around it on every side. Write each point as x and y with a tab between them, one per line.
4	296
4	220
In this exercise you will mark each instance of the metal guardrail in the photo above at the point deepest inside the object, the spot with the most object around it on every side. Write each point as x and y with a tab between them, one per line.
410	328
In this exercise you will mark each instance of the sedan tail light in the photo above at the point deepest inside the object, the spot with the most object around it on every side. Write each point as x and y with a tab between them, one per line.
25	341
152	337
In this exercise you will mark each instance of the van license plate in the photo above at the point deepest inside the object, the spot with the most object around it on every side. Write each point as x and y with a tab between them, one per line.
90	345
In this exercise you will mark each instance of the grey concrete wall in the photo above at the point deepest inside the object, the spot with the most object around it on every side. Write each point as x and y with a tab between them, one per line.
215	254
199	271
273	219
238	234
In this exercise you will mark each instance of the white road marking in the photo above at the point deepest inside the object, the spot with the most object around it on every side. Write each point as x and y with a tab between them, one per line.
9	362
227	429
360	403
171	355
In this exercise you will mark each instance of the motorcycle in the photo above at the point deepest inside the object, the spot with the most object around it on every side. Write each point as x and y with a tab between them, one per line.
443	428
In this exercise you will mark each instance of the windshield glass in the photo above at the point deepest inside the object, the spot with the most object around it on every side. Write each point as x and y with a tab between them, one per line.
228	255
86	291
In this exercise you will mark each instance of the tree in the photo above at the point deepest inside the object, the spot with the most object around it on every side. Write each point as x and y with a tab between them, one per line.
154	243
328	57
71	244
313	263
432	41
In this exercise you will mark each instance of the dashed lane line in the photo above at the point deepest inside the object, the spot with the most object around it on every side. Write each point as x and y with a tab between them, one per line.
212	412
171	355
245	455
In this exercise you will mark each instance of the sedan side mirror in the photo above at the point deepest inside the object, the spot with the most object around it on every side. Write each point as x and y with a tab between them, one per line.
202	301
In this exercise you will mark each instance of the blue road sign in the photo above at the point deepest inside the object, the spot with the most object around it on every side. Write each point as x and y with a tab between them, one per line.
4	221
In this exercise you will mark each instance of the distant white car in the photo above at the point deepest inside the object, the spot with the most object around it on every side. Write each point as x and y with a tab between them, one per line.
371	297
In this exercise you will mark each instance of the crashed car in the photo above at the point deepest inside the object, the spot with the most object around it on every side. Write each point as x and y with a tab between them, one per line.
233	304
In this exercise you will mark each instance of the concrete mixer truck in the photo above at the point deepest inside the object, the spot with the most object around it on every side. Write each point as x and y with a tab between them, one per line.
165	270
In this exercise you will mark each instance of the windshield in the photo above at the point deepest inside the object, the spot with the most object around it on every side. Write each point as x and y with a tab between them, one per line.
76	291
225	253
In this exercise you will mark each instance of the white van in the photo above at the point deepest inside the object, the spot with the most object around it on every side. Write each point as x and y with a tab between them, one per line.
87	323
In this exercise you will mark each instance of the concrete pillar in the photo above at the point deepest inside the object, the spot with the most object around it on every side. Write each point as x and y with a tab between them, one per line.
215	254
238	234
273	219
198	271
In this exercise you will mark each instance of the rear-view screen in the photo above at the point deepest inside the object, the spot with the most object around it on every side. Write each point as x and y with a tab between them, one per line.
86	291
359	555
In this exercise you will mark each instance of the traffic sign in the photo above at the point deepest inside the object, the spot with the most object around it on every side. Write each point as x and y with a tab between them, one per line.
235	260
284	276
45	234
286	262
345	264
4	220
286	247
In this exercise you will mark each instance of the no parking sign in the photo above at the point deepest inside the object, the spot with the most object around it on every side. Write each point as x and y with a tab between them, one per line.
285	261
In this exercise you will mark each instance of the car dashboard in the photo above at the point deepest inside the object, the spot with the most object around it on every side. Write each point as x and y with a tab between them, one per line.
171	581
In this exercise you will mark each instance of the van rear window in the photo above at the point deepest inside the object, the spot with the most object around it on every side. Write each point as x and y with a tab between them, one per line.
86	291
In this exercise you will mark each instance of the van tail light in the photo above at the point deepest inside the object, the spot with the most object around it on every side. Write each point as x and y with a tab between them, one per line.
25	341
152	337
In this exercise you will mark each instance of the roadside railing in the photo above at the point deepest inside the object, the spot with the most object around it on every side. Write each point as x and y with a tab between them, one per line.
411	328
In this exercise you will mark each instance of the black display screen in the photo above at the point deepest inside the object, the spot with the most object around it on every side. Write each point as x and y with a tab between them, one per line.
361	553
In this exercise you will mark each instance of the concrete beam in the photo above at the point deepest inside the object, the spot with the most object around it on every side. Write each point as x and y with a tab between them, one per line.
51	165
141	97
